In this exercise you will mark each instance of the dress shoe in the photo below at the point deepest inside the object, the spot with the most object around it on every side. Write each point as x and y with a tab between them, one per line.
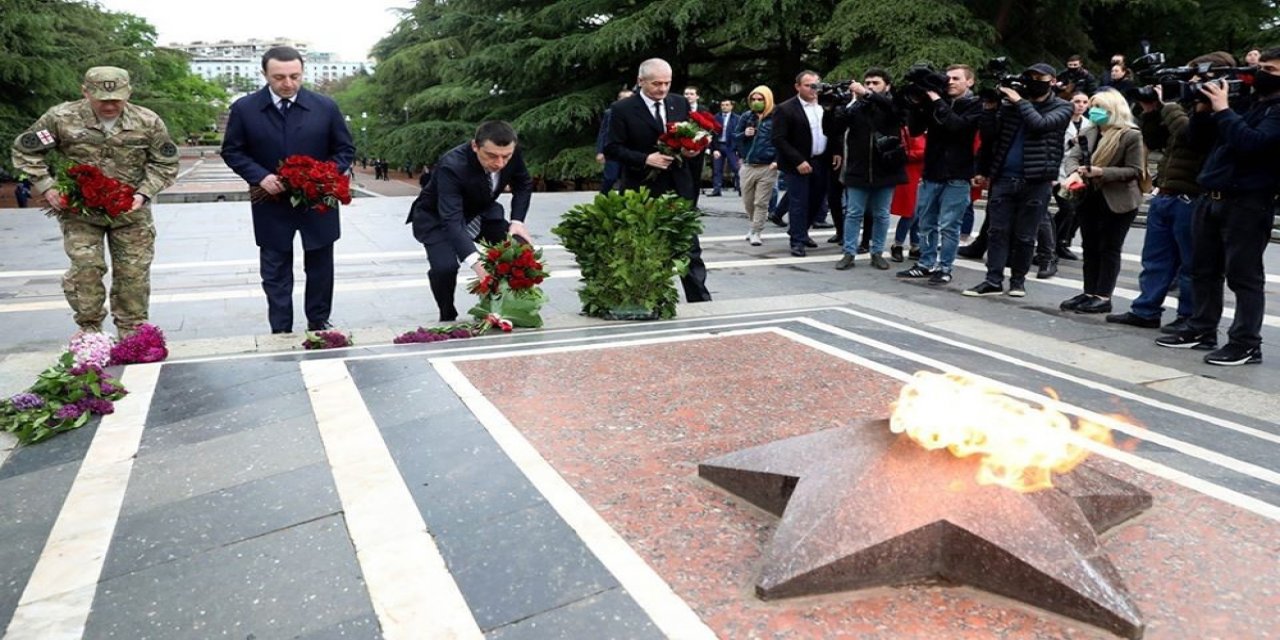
1066	254
809	242
823	225
862	248
1094	305
777	221
845	262
895	253
1235	354
1072	303
323	325
798	251
836	239
879	262
1047	270
275	332
1206	341
1177	326
1134	320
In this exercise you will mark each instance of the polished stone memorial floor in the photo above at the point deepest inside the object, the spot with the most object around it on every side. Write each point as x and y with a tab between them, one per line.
545	485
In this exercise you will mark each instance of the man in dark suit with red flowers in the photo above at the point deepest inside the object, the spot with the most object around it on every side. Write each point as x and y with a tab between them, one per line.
281	120
459	206
636	124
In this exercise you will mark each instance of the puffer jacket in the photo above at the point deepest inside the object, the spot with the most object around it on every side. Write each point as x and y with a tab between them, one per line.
1044	125
1166	129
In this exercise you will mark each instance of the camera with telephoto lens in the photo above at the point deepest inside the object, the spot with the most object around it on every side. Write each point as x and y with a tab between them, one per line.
834	93
997	71
1184	84
919	80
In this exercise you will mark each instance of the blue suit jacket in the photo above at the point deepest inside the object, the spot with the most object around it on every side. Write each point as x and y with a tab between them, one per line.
727	145
258	137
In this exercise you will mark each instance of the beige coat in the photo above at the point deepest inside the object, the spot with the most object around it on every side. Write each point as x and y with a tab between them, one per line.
1119	181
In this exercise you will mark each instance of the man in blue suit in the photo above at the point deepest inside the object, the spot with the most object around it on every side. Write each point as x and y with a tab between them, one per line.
459	206
280	120
724	156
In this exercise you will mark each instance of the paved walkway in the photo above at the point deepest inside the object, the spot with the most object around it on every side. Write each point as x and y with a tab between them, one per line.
543	484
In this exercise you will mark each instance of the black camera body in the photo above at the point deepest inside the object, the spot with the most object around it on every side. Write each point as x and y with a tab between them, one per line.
1183	84
997	71
834	93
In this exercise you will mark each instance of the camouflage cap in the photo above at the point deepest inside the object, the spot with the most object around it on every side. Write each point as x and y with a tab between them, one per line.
107	83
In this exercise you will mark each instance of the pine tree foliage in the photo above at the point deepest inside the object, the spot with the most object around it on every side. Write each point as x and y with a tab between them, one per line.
552	66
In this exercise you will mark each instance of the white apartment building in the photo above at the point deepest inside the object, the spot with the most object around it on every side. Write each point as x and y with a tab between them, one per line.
227	60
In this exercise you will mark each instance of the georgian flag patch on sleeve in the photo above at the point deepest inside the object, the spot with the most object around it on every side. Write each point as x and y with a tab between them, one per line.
37	140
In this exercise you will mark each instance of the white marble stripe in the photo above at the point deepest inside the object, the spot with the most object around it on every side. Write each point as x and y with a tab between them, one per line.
1189	481
671	614
59	594
413	593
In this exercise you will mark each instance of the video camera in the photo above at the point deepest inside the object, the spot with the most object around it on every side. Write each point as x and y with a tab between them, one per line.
919	80
997	71
1183	84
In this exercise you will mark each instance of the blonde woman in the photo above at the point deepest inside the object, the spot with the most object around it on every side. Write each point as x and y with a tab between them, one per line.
1109	161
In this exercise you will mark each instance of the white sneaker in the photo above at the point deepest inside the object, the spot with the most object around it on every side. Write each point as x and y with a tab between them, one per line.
754	239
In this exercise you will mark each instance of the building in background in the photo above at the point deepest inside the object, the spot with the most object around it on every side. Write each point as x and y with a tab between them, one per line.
237	65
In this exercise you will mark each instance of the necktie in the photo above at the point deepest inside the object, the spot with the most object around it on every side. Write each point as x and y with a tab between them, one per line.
473	228
724	129
657	113
284	106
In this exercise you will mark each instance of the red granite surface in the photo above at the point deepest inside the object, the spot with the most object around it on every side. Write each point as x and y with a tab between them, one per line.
627	426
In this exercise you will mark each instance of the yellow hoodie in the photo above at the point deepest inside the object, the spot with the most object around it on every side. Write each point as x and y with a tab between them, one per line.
768	100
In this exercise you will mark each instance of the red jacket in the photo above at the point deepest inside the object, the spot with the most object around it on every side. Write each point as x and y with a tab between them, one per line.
904	195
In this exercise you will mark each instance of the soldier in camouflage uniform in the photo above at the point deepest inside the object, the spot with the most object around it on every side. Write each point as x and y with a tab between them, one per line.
128	143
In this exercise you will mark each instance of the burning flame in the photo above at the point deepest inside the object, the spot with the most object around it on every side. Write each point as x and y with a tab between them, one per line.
1019	444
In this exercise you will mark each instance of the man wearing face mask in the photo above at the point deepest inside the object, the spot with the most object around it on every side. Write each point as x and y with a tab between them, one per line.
754	139
1166	246
1020	156
1234	215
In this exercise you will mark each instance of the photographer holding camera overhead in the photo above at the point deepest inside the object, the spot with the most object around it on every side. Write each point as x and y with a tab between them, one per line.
875	162
1021	150
1234	214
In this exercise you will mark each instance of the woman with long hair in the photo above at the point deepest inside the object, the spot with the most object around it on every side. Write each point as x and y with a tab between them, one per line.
1107	167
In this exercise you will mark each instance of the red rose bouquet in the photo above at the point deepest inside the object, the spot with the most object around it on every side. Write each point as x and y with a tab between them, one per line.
87	192
510	287
694	134
317	184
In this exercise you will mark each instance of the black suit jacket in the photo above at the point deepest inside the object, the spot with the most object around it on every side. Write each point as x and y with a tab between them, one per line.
633	135
258	138
459	190
792	137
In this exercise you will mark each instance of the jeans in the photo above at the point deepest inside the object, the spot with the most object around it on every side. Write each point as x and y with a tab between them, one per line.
939	209
776	207
1102	233
861	201
1166	254
1230	236
966	223
1015	207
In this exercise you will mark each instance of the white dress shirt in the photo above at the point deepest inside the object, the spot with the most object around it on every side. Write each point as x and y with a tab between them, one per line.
813	111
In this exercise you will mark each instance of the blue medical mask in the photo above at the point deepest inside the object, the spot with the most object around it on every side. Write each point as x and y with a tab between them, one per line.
1098	115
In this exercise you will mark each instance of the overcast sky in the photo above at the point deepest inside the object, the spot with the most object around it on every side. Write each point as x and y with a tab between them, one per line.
349	30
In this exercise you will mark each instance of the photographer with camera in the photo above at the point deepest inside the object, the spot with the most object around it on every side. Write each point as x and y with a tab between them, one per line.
801	127
951	124
1166	249
1076	78
1234	215
1021	151
875	162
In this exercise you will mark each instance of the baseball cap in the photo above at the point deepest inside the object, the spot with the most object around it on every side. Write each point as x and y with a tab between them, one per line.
107	83
1042	68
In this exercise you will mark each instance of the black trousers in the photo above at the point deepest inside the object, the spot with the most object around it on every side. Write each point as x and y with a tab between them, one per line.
276	268
695	279
1065	224
1102	235
1015	208
1229	236
442	273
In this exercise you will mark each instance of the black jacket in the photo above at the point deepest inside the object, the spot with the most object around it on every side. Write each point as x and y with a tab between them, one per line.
633	135
1166	129
951	126
458	191
1245	147
792	138
1044	124
874	123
